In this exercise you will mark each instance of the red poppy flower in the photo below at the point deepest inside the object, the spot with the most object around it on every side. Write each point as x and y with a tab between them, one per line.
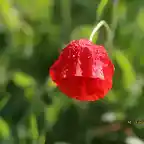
83	71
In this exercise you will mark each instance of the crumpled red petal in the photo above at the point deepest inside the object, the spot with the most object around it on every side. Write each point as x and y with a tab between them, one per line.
83	71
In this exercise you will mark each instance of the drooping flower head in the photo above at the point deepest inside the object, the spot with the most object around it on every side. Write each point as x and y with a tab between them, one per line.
83	71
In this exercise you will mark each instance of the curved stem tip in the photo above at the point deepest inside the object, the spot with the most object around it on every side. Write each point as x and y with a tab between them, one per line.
98	26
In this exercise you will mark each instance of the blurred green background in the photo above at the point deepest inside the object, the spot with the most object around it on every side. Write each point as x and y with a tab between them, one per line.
32	109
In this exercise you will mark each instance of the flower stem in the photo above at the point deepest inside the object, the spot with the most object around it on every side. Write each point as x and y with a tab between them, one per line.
98	26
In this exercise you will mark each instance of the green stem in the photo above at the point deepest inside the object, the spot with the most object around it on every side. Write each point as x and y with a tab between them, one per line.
110	35
98	26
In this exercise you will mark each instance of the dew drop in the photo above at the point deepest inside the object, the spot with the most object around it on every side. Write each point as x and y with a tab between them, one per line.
64	76
73	56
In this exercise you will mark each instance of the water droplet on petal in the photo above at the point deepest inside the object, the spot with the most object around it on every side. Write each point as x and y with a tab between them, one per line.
64	76
73	55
